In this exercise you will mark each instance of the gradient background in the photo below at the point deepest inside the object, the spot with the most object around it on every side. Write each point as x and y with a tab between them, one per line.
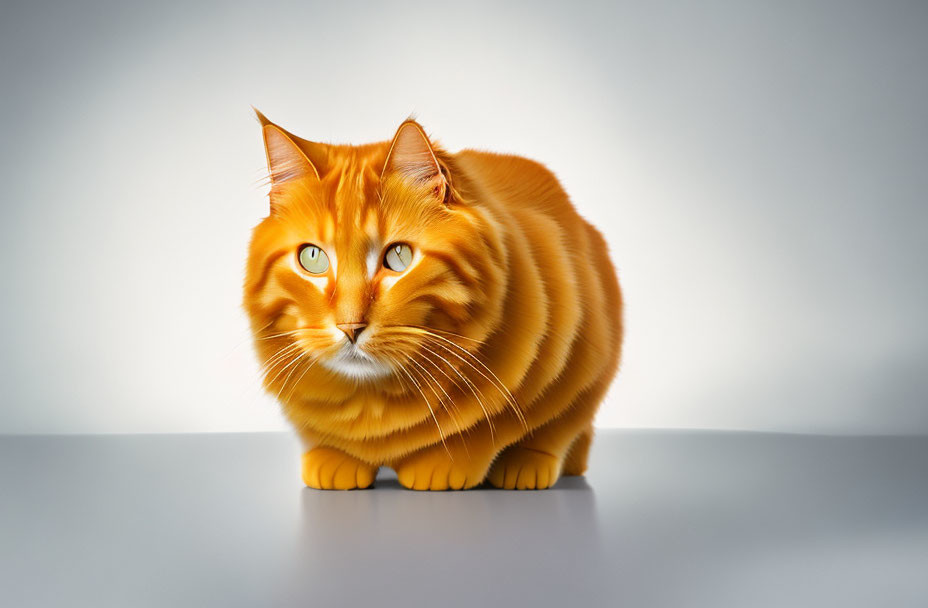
760	172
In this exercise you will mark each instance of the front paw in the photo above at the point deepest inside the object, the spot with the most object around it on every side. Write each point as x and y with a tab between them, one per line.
331	469
522	468
434	469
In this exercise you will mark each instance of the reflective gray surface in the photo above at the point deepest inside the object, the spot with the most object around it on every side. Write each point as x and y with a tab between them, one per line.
663	519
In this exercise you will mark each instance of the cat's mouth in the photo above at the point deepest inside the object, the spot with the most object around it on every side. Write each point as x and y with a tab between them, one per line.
352	361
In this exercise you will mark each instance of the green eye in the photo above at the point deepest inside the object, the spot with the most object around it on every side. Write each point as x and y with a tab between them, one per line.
314	259
398	257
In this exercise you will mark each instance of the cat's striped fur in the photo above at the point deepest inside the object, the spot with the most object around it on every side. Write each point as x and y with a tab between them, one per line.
486	359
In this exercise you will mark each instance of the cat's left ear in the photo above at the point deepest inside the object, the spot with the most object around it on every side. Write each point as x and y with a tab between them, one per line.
413	157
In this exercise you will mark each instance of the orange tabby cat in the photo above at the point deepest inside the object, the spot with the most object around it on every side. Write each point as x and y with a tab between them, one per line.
447	315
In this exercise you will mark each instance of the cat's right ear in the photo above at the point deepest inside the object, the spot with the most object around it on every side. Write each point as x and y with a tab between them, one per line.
286	161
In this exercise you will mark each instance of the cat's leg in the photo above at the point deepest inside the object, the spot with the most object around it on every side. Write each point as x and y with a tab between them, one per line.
532	461
576	459
330	469
536	462
459	463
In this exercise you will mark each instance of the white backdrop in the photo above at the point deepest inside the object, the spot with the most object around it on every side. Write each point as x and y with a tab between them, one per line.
759	173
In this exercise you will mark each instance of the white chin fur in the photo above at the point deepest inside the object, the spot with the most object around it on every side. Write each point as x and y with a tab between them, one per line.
354	363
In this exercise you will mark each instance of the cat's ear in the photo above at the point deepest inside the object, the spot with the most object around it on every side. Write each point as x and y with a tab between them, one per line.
286	159
412	156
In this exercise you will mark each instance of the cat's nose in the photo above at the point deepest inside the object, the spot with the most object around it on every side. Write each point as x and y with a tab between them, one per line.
352	330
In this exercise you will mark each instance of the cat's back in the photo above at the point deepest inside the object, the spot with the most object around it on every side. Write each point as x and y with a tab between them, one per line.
515	182
569	255
521	189
515	185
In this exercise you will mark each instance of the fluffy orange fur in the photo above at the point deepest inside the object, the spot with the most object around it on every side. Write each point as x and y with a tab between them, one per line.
483	360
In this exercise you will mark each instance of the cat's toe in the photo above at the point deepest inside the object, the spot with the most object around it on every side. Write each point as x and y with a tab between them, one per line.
434	473
520	468
330	469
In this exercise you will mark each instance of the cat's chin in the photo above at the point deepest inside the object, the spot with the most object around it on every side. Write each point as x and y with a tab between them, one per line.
352	363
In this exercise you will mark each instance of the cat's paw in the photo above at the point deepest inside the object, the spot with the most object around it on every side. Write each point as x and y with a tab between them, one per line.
521	468
331	469
433	469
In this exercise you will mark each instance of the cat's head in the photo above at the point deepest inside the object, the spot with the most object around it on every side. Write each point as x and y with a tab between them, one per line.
373	260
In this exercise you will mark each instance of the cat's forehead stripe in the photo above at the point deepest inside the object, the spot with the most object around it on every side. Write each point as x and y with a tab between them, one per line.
354	194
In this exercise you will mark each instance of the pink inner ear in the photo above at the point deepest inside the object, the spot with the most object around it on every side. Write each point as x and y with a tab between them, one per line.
412	155
284	159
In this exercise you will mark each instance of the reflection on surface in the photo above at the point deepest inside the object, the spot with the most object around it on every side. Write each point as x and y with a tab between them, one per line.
482	545
663	519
